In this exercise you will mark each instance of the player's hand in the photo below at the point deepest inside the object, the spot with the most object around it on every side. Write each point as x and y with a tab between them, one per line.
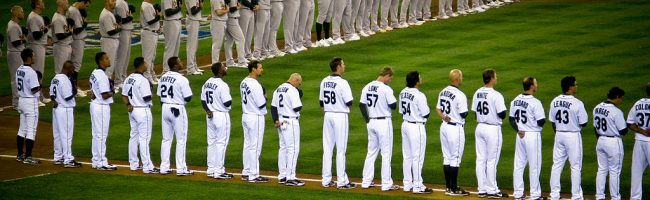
209	17
49	41
129	108
209	114
238	6
646	132
446	118
521	134
92	96
277	124
55	104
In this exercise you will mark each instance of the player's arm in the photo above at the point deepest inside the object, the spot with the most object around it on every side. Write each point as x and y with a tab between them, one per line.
36	82
127	103
638	129
442	116
15	37
109	26
194	9
169	11
59	33
124	14
247	3
347	94
186	91
500	106
105	88
423	107
620	124
364	112
583	118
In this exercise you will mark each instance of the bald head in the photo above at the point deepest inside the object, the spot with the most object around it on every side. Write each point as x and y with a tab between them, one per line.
455	77
295	79
62	6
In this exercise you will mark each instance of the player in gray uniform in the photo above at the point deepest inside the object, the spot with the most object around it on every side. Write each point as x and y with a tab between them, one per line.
277	7
77	12
247	24
217	102
323	22
171	29
124	48
370	25
150	16
100	111
462	7
16	36
262	29
63	94
218	17
425	11
341	20
62	31
38	37
234	35
386	7
290	15
285	111
192	26
305	22
28	85
638	120
109	28
355	15
412	6
609	126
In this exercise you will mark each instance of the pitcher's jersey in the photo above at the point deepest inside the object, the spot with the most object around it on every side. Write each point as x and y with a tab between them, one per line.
452	102
334	93
286	98
99	84
527	110
413	105
173	88
215	92
640	115
136	87
377	96
26	79
608	119
253	99
567	112
487	103
60	89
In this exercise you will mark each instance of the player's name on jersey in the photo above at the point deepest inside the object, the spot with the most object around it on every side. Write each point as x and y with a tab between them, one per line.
642	106
482	95
209	85
168	79
130	81
520	103
373	88
406	95
330	84
563	104
448	94
601	111
282	89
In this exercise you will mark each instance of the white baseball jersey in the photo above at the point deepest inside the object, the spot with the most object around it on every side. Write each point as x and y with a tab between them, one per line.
61	89
608	119
26	80
99	84
215	93
74	13
567	112
527	110
173	88
172	4
252	97
334	93
147	14
136	87
452	102
35	23
487	103
377	96
640	115
413	105
107	23
13	34
60	25
287	98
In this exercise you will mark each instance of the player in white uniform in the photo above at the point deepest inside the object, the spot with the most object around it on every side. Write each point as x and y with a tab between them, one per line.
567	114
452	109
16	35
174	92
62	28
192	26
29	87
253	99
415	112
609	126
527	118
490	109
638	120
63	94
171	30
217	102
376	103
136	94
335	98
109	29
100	111
285	110
150	16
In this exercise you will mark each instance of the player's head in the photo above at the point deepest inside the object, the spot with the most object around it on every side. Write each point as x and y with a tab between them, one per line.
175	64
569	85
456	77
62	5
28	56
139	65
337	65
386	75
255	68
110	4
101	59
489	77
530	84
295	79
218	69
615	95
17	13
37	5
82	4
68	68
413	79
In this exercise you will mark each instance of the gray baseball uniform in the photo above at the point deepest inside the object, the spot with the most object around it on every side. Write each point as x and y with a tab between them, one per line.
386	6
247	25
124	48
217	27
62	40
78	38
444	8
171	29
234	34
290	20
342	14
370	22
16	39
109	41
150	22
192	27
462	5
406	4
277	7
305	22
323	11
38	41
426	9
355	15
262	28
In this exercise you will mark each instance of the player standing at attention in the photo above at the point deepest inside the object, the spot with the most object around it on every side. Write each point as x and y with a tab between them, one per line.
171	30
452	109
29	88
38	39
609	126
567	115
490	109
62	28
192	26
100	111
16	35
415	112
376	103
77	12
262	29
638	120
285	110
125	12
527	118
253	99
63	94
137	97
217	102
109	29
174	92
335	100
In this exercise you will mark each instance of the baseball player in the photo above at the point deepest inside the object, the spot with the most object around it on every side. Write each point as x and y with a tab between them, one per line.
262	28
341	20
376	103
192	26
235	35
174	92
77	12
452	109
171	30
425	11
29	87
323	22
109	28
253	99
285	110
247	24
412	6
568	116
62	28
137	98
415	112
277	8
150	16
335	98
38	39
638	120
305	22
290	15
16	36
100	111
527	118
125	12
63	94
609	126
218	17
490	109
370	25
217	102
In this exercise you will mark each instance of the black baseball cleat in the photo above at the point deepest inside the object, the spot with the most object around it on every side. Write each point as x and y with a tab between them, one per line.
244	177
457	192
347	186
424	191
330	184
153	171
282	181
224	176
482	195
72	164
295	182
31	161
185	173
20	158
259	179
448	191
58	162
391	188
498	195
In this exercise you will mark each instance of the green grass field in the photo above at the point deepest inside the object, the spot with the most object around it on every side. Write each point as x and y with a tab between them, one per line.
604	44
